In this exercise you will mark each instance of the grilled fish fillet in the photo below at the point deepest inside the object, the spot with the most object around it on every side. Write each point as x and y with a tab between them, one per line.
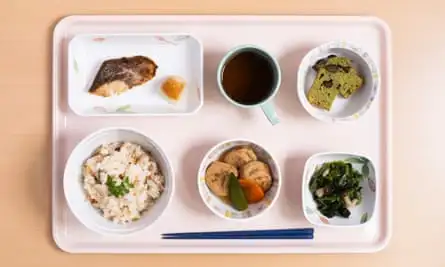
119	75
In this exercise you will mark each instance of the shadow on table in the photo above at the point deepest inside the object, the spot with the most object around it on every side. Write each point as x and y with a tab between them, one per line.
291	187
287	99
187	175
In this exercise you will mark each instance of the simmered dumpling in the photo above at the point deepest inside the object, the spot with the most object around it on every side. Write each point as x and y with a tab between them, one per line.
239	156
259	172
217	177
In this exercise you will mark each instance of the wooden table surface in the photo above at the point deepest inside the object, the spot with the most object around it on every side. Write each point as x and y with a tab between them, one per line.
418	116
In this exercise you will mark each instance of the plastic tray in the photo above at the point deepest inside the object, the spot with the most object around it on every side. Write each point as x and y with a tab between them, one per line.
187	139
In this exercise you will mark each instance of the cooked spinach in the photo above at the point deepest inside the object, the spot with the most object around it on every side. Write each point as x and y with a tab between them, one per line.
335	187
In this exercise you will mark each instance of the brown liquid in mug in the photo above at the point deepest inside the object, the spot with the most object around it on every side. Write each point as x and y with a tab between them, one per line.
248	78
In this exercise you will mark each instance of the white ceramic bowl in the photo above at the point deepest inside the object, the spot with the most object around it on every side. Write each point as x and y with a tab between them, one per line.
75	194
222	209
359	214
342	109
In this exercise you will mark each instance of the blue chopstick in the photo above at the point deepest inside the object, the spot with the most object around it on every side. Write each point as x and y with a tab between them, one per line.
254	232
221	237
303	233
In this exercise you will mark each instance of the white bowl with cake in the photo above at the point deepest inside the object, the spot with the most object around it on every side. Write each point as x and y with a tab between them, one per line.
337	82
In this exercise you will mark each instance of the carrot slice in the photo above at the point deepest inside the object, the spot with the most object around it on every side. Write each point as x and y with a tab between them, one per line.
252	191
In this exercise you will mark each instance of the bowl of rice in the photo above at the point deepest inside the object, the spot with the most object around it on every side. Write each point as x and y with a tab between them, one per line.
118	181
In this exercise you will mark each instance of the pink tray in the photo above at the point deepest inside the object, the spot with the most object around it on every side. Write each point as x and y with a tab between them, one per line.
187	139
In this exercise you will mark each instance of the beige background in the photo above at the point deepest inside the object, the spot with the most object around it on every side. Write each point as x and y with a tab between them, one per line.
25	56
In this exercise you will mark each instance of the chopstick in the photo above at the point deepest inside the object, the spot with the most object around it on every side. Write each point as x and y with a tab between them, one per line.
304	233
251	232
238	237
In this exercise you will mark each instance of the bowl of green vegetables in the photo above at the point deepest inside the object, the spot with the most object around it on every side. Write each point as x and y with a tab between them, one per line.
339	189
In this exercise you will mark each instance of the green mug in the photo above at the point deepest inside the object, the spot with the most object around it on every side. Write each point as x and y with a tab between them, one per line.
271	71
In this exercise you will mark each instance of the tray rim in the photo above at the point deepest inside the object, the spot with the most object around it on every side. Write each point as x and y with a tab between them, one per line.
379	245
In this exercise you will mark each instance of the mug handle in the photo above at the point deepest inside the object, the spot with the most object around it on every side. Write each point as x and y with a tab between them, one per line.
269	110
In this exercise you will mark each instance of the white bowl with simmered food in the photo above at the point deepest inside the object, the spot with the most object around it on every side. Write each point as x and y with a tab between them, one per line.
239	180
118	181
337	82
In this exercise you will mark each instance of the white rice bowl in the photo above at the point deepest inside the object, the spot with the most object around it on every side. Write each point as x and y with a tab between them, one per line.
132	173
118	181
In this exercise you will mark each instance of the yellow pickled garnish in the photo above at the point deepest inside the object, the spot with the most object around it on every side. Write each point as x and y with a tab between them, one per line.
173	88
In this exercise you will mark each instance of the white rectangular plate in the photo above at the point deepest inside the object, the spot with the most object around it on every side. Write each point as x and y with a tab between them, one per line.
187	139
175	54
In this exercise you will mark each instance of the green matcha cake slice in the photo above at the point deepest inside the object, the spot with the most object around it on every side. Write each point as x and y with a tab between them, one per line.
348	83
322	92
334	64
